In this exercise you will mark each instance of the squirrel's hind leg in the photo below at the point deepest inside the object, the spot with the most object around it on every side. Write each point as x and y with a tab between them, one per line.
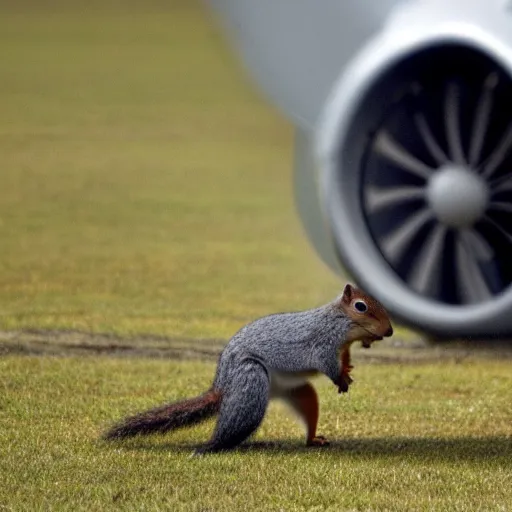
304	401
243	406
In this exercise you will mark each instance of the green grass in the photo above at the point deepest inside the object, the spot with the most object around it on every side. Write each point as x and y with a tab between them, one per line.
145	186
425	437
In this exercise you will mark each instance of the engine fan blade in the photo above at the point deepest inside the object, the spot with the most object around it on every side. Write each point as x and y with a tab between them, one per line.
430	141
395	244
389	148
498	155
471	283
452	109
377	198
502	184
481	247
481	121
500	228
425	274
500	205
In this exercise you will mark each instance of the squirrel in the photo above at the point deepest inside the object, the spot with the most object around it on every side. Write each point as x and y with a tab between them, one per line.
273	357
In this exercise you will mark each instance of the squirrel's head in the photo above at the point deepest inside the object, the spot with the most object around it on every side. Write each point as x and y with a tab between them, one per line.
369	320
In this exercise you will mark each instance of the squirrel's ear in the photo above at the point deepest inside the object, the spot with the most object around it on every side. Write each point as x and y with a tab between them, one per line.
348	293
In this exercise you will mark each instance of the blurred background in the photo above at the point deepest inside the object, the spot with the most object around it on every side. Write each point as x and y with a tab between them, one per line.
146	185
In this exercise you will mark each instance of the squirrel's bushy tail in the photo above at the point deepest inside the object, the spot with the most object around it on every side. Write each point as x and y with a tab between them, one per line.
167	417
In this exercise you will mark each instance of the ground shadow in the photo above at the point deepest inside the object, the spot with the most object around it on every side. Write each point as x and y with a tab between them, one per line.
472	449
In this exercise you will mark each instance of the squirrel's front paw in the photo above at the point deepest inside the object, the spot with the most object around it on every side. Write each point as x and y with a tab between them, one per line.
318	441
344	382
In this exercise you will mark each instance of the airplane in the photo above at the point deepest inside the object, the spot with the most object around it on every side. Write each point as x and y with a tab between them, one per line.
403	151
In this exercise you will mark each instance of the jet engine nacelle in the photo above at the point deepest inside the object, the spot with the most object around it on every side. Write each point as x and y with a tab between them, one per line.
403	168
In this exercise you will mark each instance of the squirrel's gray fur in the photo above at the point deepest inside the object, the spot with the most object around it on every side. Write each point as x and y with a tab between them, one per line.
287	342
277	344
264	359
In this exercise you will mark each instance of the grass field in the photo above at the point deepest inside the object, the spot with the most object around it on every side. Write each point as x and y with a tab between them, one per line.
146	188
146	210
427	437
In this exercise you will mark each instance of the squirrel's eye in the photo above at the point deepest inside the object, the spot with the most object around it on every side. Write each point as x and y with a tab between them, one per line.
361	306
